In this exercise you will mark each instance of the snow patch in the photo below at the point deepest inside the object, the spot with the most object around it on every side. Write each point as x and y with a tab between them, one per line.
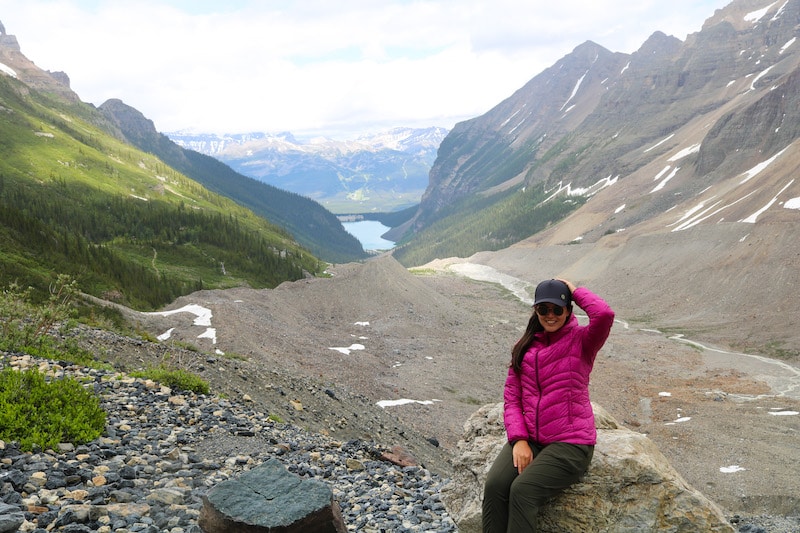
755	16
404	401
760	75
685	152
753	172
792	203
166	335
752	218
7	70
347	350
209	333
730	469
660	143
202	318
574	90
665	180
679	420
202	314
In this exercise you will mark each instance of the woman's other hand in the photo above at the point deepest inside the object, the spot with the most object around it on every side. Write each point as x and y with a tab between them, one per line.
522	454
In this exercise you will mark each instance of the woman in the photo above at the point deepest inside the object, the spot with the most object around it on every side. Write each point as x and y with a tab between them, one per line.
547	413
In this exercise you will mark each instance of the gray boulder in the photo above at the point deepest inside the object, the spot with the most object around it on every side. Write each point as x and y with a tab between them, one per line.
11	518
630	485
268	498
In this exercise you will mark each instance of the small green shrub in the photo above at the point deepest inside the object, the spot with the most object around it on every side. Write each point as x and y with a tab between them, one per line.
25	324
174	378
35	412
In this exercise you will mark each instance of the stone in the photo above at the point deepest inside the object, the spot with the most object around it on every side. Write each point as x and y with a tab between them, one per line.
11	518
399	456
630	485
269	499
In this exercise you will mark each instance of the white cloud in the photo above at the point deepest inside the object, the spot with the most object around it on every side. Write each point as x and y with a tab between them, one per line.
322	66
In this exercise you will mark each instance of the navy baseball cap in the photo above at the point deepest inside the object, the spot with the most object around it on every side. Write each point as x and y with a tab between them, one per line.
552	291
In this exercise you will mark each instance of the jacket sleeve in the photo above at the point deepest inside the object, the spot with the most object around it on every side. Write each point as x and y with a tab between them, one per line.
513	416
601	318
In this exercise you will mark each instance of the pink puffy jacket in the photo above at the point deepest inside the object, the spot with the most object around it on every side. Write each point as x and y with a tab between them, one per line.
548	401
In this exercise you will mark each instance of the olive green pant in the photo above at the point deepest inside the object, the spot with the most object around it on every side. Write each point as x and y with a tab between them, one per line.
511	501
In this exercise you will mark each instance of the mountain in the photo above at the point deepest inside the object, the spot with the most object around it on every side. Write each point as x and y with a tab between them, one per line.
312	225
384	172
14	63
670	172
713	106
76	198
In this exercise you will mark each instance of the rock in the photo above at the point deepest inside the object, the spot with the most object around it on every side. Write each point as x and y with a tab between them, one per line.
630	485
399	456
11	518
268	498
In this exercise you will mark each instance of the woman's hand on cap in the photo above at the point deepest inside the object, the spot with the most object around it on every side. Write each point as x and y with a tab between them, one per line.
569	284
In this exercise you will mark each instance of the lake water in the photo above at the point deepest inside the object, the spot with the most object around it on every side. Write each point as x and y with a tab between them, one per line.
368	233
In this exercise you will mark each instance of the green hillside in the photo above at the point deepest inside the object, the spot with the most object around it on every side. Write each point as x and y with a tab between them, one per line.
77	200
477	223
313	226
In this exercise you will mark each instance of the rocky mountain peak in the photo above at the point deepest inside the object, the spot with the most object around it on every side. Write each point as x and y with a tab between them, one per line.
14	63
660	44
743	14
610	108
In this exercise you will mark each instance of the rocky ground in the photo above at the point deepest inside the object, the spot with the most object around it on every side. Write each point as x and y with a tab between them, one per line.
439	337
163	450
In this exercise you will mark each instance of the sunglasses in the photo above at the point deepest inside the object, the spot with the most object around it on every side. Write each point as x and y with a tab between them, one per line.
544	309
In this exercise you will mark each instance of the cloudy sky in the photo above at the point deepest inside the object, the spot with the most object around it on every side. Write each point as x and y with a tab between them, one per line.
311	67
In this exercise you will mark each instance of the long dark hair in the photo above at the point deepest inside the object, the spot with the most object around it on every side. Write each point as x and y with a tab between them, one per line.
524	343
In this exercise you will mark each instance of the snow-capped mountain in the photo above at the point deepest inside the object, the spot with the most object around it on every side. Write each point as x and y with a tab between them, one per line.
377	172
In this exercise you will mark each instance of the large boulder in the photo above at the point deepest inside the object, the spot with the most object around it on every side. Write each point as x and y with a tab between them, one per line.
630	485
269	499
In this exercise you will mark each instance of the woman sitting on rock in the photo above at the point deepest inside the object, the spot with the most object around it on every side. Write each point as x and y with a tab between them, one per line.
547	412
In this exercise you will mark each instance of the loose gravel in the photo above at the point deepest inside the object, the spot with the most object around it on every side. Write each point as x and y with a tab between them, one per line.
162	450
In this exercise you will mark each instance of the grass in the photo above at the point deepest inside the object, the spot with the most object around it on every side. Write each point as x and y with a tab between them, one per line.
776	350
470	400
174	378
422	271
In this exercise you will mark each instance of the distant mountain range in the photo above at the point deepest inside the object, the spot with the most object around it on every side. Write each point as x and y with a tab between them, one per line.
381	172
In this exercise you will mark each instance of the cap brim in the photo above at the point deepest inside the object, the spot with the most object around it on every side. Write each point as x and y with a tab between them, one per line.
561	303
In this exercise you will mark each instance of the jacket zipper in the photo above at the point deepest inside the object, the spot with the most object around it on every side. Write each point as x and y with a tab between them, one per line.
545	343
539	389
